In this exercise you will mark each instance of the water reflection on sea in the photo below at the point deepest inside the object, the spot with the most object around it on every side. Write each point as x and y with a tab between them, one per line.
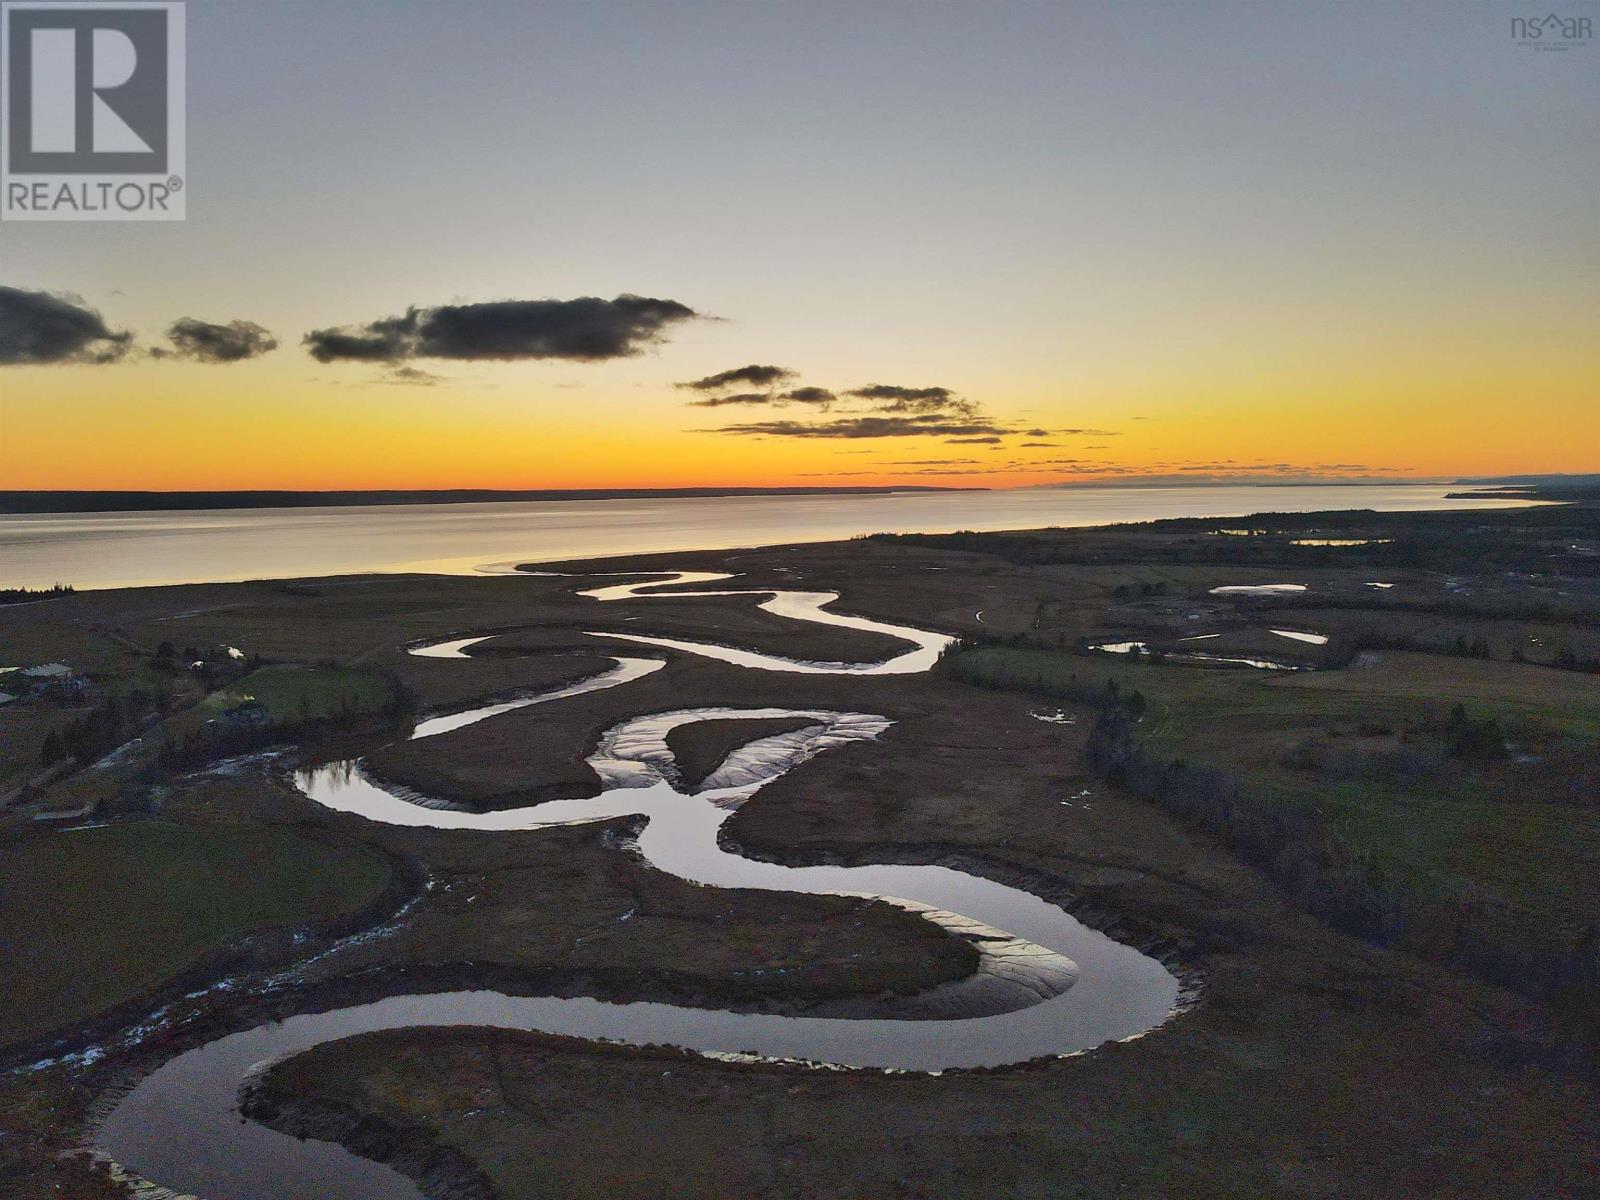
137	548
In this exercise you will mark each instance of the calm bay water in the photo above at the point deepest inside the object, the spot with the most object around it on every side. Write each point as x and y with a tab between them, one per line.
98	550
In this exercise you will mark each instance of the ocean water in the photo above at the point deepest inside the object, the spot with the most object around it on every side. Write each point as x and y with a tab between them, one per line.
99	550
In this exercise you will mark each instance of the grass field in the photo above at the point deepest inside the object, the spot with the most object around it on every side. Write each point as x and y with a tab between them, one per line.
93	917
1518	837
1334	1109
292	696
292	693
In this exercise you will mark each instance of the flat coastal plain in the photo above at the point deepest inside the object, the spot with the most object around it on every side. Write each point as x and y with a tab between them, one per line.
1368	852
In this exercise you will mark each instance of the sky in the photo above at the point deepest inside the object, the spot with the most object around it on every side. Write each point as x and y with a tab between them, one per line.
984	242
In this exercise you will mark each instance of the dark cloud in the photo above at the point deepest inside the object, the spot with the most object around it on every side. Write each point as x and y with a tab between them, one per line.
893	411
865	427
892	394
922	401
38	329
1039	433
732	398
202	341
819	396
973	441
904	411
755	375
1026	445
964	471
411	377
382	341
587	329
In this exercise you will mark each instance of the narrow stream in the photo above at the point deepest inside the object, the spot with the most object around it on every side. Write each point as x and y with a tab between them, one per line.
1046	984
797	606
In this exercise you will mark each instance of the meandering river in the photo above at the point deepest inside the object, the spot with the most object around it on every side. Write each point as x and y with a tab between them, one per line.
1046	984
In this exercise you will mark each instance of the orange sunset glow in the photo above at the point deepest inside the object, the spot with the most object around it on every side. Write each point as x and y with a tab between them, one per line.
1377	263
287	424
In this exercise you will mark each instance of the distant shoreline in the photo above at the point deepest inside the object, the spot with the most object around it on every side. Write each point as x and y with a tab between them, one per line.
44	503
